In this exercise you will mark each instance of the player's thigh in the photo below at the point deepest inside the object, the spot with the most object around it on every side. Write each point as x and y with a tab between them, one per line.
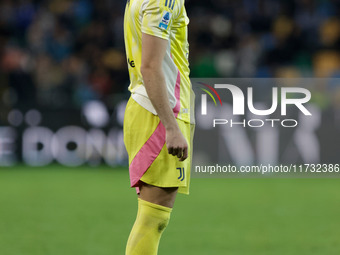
158	195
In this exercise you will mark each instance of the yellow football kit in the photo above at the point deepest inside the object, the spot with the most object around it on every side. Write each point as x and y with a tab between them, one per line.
144	134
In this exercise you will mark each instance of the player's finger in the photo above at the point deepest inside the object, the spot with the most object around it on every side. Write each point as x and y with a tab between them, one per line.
185	154
170	150
180	153
175	152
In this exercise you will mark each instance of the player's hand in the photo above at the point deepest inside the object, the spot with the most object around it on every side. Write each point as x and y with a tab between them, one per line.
176	144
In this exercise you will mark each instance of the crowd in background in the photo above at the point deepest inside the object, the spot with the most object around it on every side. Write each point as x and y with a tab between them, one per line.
61	53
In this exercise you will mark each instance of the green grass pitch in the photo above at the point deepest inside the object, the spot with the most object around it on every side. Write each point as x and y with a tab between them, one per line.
90	211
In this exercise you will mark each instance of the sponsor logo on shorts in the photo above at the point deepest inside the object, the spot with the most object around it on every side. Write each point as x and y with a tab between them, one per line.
181	173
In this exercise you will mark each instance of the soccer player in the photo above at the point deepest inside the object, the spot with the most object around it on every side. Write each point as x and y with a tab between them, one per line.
158	122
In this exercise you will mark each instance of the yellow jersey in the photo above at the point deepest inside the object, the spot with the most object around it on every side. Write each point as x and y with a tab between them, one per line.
166	19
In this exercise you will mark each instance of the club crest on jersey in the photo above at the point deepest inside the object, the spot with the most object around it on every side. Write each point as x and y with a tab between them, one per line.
166	17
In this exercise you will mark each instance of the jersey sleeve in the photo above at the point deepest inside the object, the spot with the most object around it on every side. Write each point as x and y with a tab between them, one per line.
158	17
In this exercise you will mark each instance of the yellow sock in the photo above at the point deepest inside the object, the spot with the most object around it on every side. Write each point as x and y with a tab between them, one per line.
150	223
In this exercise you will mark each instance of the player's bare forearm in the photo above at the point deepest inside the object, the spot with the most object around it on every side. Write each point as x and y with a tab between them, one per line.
155	87
153	52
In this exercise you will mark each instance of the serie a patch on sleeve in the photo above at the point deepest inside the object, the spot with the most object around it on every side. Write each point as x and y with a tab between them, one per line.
166	17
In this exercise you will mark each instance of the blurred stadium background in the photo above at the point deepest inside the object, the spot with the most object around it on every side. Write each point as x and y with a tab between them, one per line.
63	89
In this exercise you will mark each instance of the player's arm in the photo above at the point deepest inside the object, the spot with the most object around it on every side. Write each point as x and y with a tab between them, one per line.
153	52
